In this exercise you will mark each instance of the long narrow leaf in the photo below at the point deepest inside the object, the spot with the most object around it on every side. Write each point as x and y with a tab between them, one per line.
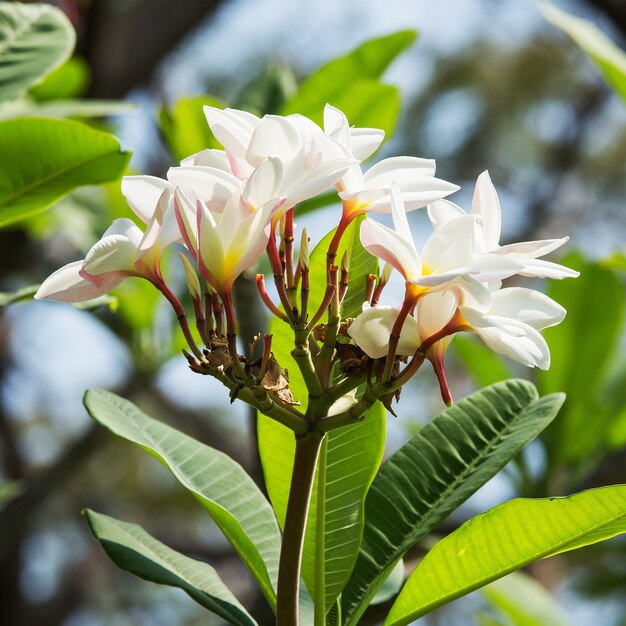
507	538
132	549
437	470
220	484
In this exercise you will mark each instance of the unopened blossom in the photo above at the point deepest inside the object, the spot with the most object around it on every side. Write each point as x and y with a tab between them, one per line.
486	206
123	251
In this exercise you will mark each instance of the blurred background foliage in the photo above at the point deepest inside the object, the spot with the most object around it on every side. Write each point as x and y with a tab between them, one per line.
487	85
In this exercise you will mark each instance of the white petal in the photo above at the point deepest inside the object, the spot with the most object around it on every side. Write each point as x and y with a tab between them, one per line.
527	305
112	254
416	193
451	246
485	204
264	184
187	219
208	158
67	285
274	136
442	211
434	311
386	244
493	267
365	141
398	212
538	268
252	237
213	186
517	340
395	169
533	249
336	125
232	128
210	249
372	328
143	193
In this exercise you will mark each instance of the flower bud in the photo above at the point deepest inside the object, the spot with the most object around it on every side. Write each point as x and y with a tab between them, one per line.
193	284
304	250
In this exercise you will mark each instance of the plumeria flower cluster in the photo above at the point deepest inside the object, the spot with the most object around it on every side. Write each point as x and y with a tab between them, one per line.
224	208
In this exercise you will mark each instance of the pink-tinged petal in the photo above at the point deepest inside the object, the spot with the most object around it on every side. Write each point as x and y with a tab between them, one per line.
533	249
264	184
274	136
214	187
372	328
486	205
538	268
143	194
451	246
528	306
365	141
336	125
442	211
208	158
396	169
386	244
187	219
232	128
67	285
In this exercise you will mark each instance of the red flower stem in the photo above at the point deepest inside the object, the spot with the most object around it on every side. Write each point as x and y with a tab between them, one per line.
331	288
231	333
181	314
267	301
218	315
279	276
288	247
394	338
304	294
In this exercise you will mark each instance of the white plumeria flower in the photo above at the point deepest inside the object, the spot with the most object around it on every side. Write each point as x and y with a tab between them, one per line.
122	251
225	243
486	206
312	162
450	252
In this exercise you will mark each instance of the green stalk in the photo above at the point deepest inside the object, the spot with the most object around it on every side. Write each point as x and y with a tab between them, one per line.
305	461
320	541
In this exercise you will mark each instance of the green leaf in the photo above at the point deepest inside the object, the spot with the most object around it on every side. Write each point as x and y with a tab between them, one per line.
348	463
391	585
221	485
583	349
43	160
607	57
66	108
132	549
504	539
437	470
523	601
184	126
337	78
34	40
11	297
268	92
69	80
481	363
10	490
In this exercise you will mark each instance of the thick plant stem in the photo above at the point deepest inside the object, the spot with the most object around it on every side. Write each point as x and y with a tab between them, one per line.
305	461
